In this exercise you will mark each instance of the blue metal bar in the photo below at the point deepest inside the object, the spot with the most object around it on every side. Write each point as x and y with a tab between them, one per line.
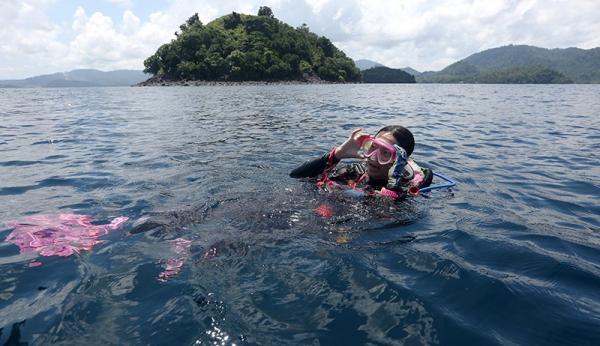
449	183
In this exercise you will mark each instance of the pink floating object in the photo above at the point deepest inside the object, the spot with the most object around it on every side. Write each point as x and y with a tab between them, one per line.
58	234
324	210
173	266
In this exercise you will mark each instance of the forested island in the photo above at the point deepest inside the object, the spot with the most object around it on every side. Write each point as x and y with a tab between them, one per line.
239	47
382	74
247	48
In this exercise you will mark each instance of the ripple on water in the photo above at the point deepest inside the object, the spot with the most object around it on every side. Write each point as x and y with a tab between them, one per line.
510	256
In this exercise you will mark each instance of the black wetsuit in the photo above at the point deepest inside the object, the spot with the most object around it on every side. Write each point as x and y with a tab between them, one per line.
353	172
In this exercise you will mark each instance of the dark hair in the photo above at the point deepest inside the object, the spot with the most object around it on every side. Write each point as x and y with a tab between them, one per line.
402	135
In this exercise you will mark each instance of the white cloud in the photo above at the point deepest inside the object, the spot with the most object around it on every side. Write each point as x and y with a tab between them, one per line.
79	19
131	23
418	33
97	43
316	5
27	38
432	34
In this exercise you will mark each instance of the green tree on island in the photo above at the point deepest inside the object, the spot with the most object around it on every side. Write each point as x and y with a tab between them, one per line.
266	12
240	47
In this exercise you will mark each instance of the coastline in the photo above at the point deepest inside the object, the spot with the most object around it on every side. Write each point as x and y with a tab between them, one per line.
157	81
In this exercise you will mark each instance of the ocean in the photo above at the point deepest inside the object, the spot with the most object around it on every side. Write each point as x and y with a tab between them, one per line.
222	247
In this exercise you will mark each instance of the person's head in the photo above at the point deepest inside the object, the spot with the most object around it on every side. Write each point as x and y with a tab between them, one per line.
394	134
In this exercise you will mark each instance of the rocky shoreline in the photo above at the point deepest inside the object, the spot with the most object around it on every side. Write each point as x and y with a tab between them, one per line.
158	81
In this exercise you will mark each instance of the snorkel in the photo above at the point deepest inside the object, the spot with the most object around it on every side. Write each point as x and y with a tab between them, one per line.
401	159
395	173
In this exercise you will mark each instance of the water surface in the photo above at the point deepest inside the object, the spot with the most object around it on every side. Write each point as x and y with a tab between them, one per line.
510	256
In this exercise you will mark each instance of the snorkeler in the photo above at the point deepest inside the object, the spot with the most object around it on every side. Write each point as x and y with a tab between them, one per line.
385	167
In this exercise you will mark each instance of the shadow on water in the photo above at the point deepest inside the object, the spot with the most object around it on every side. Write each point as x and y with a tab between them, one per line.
278	255
286	209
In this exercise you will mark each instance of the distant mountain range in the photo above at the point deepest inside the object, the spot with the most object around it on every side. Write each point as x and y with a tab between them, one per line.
513	64
410	70
521	64
508	64
78	78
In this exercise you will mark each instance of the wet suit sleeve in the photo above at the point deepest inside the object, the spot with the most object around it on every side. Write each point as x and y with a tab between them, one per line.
314	167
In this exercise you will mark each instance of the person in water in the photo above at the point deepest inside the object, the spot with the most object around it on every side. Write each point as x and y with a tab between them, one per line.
385	167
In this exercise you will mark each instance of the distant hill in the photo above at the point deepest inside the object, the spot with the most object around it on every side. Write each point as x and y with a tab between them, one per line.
382	74
78	78
411	70
522	64
241	47
365	64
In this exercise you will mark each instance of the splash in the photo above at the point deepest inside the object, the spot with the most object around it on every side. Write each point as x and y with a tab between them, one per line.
58	234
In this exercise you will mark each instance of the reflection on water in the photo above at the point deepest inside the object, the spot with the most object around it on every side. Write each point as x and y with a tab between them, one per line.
223	248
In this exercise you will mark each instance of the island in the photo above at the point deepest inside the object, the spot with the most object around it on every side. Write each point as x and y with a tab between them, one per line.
240	48
383	74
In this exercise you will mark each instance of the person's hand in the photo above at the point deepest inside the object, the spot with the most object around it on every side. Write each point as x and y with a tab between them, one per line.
350	148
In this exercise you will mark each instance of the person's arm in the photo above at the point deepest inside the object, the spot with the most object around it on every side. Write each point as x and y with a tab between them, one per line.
348	149
314	167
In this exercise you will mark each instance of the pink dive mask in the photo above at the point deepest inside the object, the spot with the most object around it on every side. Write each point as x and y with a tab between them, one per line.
376	149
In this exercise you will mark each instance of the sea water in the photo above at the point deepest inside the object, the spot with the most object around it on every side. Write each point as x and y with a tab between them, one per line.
509	256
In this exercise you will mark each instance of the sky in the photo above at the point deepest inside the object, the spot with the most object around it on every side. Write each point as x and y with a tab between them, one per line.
47	36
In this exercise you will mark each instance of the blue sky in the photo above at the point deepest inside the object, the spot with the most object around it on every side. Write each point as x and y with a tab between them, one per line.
62	10
46	36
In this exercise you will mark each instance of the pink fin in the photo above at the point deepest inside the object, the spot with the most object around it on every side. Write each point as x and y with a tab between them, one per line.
58	234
